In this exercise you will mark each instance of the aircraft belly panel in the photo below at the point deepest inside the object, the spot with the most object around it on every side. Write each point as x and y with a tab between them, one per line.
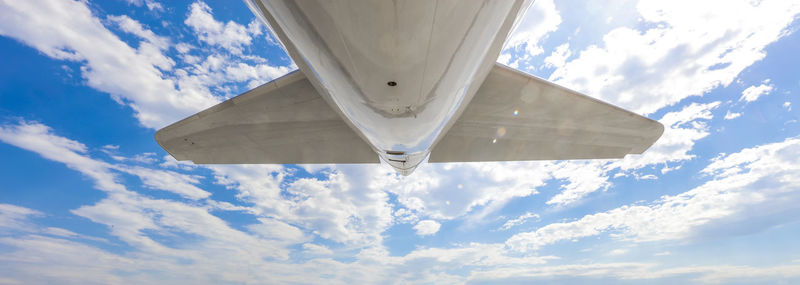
398	71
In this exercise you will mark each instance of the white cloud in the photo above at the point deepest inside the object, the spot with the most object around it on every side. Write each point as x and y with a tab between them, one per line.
505	58
341	207
171	162
332	209
647	177
787	105
143	78
148	225
616	272
539	20
682	129
129	25
14	218
618	251
752	93
184	48
59	232
151	5
181	184
731	116
67	30
559	56
40	139
753	184
647	70
277	230
691	48
519	220
447	191
231	35
315	249
405	216
758	178
427	227
257	75
583	177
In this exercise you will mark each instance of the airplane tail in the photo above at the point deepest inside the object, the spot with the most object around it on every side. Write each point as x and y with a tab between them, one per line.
512	117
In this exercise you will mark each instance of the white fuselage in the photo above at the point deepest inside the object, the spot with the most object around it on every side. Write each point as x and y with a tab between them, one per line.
398	72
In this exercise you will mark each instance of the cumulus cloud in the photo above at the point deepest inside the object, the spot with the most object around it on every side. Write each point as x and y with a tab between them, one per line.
758	178
332	209
755	180
336	207
559	56
583	177
539	20
448	191
730	116
427	227
645	70
682	129
147	223
230	36
67	30
649	69
143	78
151	5
752	93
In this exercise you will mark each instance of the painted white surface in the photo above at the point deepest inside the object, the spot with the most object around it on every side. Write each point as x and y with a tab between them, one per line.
283	121
515	116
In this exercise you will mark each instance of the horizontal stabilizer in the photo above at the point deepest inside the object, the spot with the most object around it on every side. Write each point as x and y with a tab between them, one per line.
515	116
282	122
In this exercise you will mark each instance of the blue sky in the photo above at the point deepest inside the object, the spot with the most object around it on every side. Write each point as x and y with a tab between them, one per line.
88	197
